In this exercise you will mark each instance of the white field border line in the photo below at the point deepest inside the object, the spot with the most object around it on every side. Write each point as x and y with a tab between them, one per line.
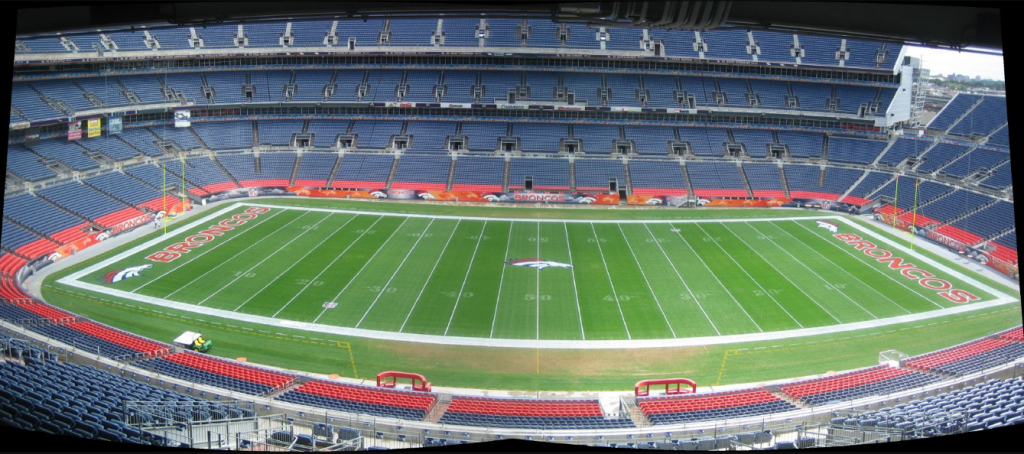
189	259
73	277
572	273
642	273
286	270
682	280
429	276
903	284
769	295
504	266
577	221
355	276
72	280
329	265
466	278
797	287
545	344
600	250
687	243
268	257
397	269
929	261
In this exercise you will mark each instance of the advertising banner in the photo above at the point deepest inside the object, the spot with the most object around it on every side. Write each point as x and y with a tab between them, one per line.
74	131
249	192
77	245
667	200
760	203
94	127
333	193
944	240
132	223
182	118
114	127
399	104
453	105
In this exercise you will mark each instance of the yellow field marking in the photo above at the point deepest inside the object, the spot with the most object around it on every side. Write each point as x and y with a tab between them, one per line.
721	370
351	357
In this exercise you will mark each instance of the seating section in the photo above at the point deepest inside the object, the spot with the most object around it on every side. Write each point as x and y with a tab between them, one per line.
207	175
951	206
275	380
550	174
154	176
375	135
422	172
26	165
868	185
534	414
483	136
360	171
712	407
854	151
976	160
857	384
803	181
68	153
430	136
121	338
940	155
89	203
755	141
373	401
983	119
123	187
802	144
995	403
540	137
231	135
903	147
764	179
38	215
968	358
326	131
989	222
315	169
85	341
594	174
278	132
1000	179
181	136
599	139
478	174
197	375
647	140
82	401
713	179
657	178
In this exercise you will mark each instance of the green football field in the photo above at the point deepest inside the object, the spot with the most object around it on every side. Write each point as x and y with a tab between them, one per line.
355	288
527	279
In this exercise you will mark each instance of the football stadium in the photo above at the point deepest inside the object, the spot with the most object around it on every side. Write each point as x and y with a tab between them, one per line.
669	228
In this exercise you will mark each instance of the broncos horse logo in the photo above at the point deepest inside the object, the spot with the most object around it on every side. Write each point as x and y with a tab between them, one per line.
120	275
538	263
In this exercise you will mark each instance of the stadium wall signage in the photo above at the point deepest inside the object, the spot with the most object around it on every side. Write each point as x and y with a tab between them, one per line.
172	252
130	224
908	270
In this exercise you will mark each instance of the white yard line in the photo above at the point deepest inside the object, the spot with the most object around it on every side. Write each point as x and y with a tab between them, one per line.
769	295
687	243
268	257
780	273
350	281
329	265
399	268
680	276
607	273
464	279
879	271
425	283
537	280
500	282
189	258
661	309
572	272
851	274
225	262
286	270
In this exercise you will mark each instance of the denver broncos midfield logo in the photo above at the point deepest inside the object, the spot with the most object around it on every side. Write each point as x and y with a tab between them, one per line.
537	263
120	275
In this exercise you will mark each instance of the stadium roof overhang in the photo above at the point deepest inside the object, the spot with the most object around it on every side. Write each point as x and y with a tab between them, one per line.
935	25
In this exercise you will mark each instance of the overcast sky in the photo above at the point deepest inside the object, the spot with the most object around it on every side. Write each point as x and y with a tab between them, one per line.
946	62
